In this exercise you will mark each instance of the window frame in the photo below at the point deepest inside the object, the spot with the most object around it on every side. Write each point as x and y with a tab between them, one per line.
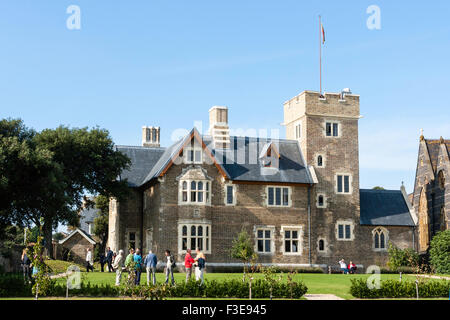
378	231
324	205
350	183
206	236
271	239
281	205
299	239
205	191
228	185
345	224
187	151
334	126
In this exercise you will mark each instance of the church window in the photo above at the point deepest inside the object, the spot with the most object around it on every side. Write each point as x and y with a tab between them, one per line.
380	239
441	179
132	240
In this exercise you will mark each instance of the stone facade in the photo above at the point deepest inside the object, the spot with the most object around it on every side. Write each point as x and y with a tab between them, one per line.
431	198
155	214
77	245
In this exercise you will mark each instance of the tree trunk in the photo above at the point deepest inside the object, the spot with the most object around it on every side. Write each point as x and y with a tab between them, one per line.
47	229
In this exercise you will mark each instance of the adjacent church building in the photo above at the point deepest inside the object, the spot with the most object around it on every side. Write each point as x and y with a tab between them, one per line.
431	196
299	198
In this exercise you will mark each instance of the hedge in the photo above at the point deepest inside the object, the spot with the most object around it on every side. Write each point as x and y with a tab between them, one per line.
13	286
397	289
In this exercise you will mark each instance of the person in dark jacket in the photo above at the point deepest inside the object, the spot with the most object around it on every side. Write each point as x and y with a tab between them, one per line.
109	259
102	262
26	265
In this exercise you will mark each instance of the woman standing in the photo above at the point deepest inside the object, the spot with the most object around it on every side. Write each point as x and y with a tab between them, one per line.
26	262
201	261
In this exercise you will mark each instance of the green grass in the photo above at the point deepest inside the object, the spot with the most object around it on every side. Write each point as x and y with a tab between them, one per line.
337	284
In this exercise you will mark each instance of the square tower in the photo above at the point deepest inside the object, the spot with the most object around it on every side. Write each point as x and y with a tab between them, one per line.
326	128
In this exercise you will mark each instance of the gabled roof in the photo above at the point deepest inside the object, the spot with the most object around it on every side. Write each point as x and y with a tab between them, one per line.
434	146
84	234
87	215
384	208
241	162
143	159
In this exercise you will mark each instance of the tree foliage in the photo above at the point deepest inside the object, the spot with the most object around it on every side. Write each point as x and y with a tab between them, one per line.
440	252
44	176
402	258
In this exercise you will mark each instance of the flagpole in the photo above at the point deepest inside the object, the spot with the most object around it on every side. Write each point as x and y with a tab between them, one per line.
320	52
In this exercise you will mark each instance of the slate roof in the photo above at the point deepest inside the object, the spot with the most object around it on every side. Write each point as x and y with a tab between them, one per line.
83	233
149	163
433	146
384	208
87	216
143	159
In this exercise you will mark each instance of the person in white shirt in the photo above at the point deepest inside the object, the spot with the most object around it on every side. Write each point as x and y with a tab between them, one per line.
118	265
343	266
89	261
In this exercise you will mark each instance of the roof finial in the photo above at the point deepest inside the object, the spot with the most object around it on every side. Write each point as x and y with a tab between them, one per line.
442	140
421	135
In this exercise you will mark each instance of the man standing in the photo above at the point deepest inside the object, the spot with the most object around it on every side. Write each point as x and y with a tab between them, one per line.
138	266
109	258
170	265
188	261
89	261
150	263
118	265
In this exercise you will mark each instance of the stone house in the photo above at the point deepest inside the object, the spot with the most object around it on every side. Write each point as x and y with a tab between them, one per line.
77	243
298	197
431	197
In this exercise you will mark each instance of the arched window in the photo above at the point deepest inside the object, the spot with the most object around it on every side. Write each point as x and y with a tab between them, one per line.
321	245
194	192
320	161
441	179
320	201
380	239
424	239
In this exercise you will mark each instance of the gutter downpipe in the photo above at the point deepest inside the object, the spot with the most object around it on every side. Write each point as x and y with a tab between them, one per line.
309	224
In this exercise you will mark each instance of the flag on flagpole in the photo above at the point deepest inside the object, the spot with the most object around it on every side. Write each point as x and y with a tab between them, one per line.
323	34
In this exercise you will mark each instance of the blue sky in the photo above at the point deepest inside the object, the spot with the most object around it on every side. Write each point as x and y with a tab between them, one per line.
165	63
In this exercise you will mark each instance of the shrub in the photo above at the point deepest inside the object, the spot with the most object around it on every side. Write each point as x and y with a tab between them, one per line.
402	258
440	252
397	289
13	285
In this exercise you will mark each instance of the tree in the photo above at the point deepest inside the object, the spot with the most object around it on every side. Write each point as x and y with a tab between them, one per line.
378	188
44	176
440	252
58	236
101	221
243	250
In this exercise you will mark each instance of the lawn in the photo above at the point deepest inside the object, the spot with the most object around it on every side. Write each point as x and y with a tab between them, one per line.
337	284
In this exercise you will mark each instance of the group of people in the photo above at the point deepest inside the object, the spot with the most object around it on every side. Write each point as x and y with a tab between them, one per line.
347	269
134	264
107	258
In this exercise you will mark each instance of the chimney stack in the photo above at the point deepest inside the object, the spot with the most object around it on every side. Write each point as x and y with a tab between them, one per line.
150	137
218	127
